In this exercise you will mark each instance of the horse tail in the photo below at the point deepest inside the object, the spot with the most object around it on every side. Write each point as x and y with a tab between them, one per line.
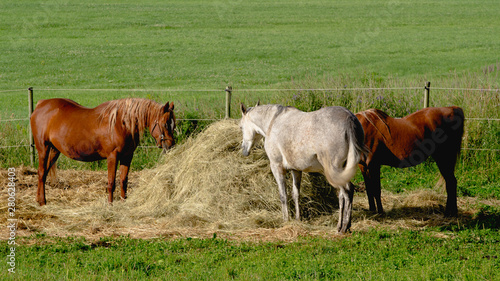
458	127
357	150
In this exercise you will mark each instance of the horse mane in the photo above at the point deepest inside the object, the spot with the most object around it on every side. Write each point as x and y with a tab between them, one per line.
134	113
373	113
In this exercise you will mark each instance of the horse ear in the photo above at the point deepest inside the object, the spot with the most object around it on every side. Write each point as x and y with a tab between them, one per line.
168	106
258	103
243	109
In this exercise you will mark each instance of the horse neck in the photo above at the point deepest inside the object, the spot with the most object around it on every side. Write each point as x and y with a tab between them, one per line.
152	117
264	117
140	114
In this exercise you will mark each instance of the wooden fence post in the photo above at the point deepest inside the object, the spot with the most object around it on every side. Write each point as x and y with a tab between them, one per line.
426	94
32	142
228	90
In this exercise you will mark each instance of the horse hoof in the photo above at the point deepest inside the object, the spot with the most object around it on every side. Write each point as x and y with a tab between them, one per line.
343	231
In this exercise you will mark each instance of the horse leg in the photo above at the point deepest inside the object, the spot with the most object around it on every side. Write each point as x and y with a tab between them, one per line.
346	195
297	177
341	209
446	166
369	188
112	164
377	190
43	155
124	169
371	176
279	175
47	156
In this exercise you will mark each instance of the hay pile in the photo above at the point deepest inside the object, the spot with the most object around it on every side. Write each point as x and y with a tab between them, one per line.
207	182
205	186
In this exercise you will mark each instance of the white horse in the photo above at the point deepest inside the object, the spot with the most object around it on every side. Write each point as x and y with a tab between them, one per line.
329	141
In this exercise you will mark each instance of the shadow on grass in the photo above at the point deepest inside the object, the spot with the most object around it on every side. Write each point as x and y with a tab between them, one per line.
484	217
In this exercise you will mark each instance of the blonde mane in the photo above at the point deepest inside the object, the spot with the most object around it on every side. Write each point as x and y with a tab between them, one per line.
134	113
379	114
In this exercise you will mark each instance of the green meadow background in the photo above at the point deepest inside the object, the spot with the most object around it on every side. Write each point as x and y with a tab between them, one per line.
358	54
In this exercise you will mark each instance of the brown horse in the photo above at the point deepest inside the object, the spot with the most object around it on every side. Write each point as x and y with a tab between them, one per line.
409	141
109	131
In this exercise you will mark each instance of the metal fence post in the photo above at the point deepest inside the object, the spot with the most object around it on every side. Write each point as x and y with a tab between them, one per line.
426	94
32	142
228	90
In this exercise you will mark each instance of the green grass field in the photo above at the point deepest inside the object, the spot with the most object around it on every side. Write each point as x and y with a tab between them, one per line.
189	51
375	255
209	44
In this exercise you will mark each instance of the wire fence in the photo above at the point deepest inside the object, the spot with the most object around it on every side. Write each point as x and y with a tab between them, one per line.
257	90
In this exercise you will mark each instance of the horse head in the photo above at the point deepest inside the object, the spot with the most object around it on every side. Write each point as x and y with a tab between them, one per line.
249	129
164	126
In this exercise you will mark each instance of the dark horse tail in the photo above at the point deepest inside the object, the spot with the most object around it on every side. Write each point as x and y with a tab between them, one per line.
456	126
358	134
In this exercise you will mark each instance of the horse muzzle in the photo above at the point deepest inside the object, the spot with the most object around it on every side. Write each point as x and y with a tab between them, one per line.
166	145
245	149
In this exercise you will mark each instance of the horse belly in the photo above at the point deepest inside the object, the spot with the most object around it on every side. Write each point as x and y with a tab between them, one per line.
80	148
86	152
85	155
410	159
306	163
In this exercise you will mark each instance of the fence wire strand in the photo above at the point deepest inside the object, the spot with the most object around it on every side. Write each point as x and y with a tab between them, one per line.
257	90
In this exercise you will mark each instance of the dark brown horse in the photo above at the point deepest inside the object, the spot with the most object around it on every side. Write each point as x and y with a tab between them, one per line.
409	141
109	131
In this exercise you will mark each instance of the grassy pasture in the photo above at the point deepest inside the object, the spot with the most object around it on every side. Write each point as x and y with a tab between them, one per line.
374	255
209	44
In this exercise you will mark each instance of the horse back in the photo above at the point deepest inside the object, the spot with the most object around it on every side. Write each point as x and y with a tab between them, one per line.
299	139
449	120
72	129
50	112
58	103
